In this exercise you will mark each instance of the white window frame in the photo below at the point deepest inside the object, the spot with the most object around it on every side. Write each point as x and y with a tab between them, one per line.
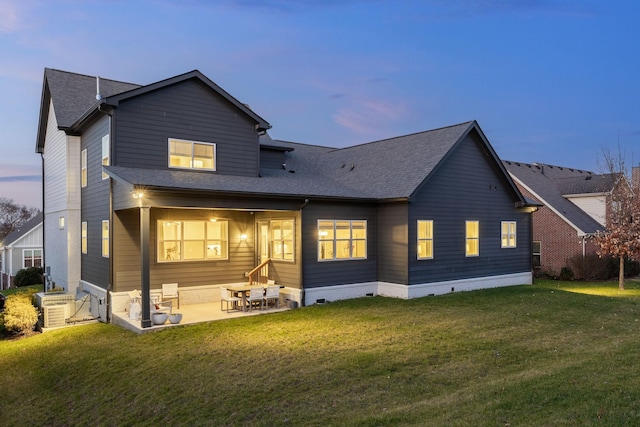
472	240
105	238
32	257
508	234
83	237
334	240
209	242
105	155
427	241
193	144
84	179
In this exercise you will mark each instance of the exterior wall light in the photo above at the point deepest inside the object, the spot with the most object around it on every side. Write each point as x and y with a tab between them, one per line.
243	237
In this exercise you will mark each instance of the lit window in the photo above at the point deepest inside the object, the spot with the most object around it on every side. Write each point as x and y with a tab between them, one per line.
83	237
61	223
508	234
32	258
282	239
83	168
342	240
105	155
425	239
105	239
192	240
473	238
191	154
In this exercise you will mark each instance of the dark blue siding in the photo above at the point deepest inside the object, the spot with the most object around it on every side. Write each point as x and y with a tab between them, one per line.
188	110
468	186
95	205
327	273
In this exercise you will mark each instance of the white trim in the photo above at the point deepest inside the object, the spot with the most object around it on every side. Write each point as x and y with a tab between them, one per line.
395	290
547	204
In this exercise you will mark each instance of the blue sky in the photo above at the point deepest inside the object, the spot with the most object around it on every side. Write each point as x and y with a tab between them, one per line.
548	81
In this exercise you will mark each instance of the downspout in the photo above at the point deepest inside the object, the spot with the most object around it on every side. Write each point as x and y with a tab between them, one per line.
44	217
304	204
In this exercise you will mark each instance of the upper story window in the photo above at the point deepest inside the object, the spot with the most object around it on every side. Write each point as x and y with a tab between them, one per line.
192	154
508	234
472	247
342	240
425	239
192	240
105	155
83	168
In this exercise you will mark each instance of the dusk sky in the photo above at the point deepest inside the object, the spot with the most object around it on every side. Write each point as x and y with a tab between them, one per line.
548	81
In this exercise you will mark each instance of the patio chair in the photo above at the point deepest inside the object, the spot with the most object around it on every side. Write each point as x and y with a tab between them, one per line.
224	297
256	295
272	294
170	292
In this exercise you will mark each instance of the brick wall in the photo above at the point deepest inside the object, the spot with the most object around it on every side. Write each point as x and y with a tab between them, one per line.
635	180
558	240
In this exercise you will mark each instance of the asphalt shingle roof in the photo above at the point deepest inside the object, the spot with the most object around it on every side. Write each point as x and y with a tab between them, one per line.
74	94
552	182
387	169
22	230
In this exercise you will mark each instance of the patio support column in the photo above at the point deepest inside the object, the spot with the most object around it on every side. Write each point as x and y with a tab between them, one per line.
144	267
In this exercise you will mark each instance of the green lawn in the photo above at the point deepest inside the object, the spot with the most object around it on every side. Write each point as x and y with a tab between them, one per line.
552	354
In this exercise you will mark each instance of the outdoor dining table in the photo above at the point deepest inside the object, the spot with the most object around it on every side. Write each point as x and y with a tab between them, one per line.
243	291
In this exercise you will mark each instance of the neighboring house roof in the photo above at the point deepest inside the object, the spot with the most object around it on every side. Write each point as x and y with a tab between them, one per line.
589	184
22	231
74	98
550	183
389	169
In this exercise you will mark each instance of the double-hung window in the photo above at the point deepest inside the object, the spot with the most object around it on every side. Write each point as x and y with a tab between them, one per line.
342	240
83	168
472	246
32	258
105	238
192	154
536	253
83	237
192	240
282	239
508	234
425	239
105	155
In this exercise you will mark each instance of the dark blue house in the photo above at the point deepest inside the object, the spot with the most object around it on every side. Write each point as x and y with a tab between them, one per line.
177	181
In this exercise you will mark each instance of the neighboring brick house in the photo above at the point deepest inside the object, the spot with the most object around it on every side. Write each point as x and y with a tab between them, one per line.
575	204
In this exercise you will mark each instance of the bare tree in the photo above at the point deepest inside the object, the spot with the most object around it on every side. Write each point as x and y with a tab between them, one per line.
13	215
621	239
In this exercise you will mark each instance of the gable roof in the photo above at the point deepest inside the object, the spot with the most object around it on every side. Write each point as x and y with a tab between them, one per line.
72	95
390	169
74	98
550	184
22	231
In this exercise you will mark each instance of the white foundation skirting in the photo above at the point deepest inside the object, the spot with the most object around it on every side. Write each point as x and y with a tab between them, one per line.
358	290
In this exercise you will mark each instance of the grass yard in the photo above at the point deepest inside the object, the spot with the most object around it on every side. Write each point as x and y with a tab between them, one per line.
552	354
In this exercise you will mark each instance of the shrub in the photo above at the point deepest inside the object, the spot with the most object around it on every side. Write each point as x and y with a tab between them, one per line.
566	273
19	315
589	267
28	277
